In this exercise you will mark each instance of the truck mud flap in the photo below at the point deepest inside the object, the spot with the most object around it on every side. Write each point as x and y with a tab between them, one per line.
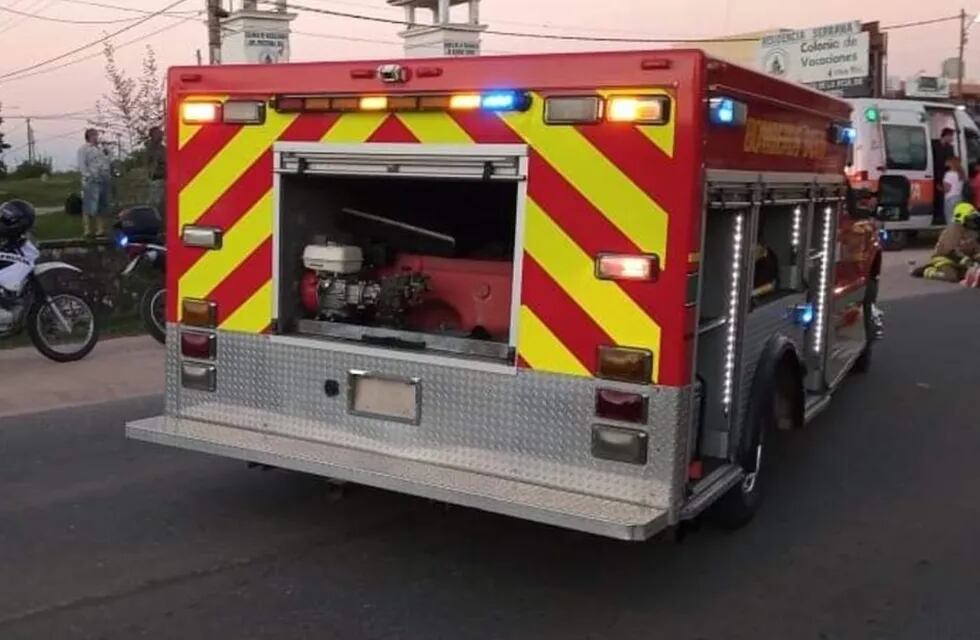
601	516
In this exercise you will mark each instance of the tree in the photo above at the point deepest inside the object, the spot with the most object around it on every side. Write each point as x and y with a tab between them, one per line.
131	107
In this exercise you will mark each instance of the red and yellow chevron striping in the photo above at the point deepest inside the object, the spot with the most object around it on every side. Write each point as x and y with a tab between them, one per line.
590	189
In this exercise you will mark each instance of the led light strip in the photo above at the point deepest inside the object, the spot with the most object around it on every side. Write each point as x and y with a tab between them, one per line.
797	226
733	299
824	280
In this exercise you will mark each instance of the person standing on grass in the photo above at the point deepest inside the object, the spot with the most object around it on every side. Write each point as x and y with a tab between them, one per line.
96	172
156	171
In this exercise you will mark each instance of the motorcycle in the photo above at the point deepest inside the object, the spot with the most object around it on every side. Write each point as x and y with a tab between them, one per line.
139	234
61	323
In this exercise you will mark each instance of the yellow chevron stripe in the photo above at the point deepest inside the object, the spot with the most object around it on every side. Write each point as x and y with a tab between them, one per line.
229	164
660	135
253	316
435	128
626	205
354	127
574	271
543	350
238	243
185	132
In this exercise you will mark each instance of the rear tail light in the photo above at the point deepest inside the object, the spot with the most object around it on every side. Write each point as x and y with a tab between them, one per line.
199	313
200	346
609	266
200	112
625	364
638	109
619	405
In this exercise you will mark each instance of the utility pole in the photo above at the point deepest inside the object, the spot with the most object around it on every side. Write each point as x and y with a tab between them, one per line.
215	13
959	65
31	143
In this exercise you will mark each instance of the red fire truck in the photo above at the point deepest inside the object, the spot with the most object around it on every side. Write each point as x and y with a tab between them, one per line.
578	289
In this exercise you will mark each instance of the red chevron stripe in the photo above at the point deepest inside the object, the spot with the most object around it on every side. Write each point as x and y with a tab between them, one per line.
199	150
587	227
392	130
642	161
485	128
666	180
569	322
250	276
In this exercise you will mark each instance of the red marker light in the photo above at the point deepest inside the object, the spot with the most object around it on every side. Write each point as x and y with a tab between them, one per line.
627	267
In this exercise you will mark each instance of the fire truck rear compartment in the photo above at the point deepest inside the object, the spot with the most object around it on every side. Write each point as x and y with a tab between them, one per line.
414	263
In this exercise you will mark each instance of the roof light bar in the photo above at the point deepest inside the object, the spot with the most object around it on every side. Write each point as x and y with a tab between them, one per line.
489	101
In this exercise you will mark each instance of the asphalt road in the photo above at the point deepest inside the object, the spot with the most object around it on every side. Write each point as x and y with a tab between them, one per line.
870	530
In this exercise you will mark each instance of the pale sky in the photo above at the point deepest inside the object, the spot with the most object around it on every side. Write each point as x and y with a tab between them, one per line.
75	88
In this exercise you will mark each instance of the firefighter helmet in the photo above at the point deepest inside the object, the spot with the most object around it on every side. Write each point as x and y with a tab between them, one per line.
962	212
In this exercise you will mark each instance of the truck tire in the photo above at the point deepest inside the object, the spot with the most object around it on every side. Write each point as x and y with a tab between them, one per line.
776	401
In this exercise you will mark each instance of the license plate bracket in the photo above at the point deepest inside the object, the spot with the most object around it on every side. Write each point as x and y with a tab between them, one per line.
384	397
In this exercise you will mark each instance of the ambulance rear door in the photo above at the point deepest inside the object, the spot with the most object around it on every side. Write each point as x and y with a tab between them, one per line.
907	151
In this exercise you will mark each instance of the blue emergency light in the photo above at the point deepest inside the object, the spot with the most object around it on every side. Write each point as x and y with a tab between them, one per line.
503	101
727	112
803	314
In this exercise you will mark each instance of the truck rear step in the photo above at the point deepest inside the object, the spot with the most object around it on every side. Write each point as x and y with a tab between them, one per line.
602	516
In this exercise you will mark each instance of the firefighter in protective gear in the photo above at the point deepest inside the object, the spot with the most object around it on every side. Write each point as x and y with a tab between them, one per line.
958	248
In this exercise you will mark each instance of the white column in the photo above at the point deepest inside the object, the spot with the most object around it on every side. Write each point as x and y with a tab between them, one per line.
474	12
443	17
410	14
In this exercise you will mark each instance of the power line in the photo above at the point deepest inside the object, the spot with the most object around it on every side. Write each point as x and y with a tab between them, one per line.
91	44
577	38
502	21
516	34
37	6
920	23
117	7
91	56
331	36
63	20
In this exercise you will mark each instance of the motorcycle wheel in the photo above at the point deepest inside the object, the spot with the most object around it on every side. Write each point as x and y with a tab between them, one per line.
153	312
63	327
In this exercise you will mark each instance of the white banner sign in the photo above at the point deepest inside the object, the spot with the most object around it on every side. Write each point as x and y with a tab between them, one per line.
827	54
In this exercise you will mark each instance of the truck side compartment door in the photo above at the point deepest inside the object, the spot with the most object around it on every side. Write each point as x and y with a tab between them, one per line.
846	326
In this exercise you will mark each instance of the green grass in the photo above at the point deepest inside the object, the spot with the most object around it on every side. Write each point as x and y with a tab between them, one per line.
52	192
57	226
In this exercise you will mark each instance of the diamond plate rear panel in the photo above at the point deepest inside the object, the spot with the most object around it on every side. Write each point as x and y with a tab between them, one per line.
519	425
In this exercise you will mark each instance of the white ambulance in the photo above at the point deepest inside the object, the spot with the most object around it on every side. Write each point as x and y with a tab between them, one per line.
899	137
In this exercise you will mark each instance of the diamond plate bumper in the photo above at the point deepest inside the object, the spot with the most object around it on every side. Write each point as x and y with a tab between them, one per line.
601	516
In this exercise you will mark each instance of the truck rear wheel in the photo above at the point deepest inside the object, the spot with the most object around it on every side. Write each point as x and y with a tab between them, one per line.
775	406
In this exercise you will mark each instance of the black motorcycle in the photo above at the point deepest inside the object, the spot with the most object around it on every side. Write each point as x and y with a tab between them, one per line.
139	233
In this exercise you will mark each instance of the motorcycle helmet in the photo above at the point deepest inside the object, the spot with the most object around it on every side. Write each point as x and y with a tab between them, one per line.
16	219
